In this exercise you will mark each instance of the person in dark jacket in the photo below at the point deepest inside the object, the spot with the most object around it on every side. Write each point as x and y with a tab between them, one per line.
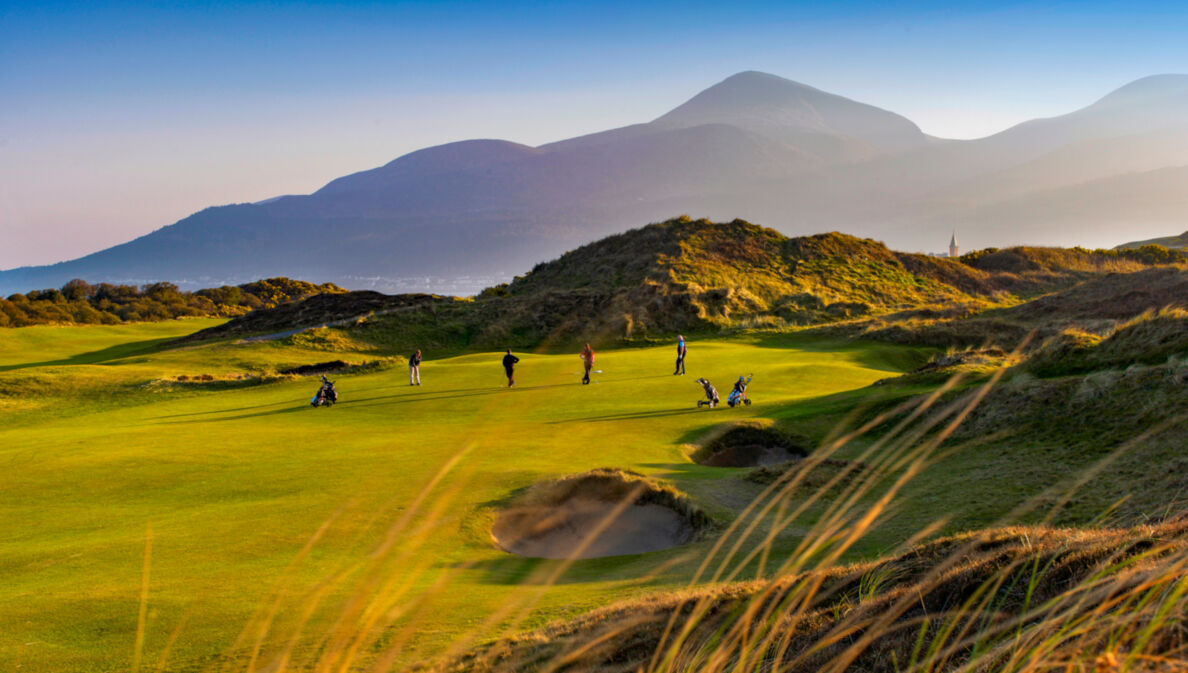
509	366
587	356
414	369
681	351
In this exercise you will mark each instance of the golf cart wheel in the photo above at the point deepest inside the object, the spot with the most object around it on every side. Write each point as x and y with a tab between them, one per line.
748	402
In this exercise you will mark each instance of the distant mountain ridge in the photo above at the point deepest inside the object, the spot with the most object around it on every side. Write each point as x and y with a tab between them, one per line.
458	217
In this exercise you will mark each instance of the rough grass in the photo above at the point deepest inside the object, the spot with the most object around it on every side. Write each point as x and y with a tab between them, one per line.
1000	599
818	474
1176	242
1151	338
1115	437
1098	305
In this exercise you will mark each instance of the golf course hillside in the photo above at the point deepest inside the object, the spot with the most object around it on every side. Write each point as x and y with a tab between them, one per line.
700	277
1097	305
928	464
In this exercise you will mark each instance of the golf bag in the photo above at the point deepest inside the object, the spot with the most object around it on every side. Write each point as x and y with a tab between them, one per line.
739	394
326	395
711	395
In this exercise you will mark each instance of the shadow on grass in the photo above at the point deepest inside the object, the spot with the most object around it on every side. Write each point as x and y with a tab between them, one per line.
873	354
240	417
300	403
632	416
97	357
426	396
512	570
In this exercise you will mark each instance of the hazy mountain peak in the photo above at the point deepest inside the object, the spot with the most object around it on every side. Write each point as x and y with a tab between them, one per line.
781	108
752	87
1148	90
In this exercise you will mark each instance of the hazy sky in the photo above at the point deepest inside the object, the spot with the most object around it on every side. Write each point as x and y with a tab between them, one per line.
119	118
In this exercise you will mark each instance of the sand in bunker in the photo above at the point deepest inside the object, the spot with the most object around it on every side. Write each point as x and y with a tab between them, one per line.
749	456
560	530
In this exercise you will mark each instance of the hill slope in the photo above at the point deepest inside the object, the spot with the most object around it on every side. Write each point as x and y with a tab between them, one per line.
1178	242
693	276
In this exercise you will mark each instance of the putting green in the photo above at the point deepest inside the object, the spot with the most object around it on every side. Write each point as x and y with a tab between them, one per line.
261	509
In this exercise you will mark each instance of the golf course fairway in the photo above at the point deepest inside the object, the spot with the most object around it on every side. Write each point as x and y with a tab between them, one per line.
181	525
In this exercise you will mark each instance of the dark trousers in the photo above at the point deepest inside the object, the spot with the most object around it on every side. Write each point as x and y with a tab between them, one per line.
586	378
510	373
680	366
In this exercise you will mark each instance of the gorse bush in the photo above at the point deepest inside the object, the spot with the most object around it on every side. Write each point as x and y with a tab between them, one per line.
1050	259
80	303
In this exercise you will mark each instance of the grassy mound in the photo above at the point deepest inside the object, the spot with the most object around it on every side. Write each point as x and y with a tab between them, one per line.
1152	338
1097	305
750	445
692	276
604	512
998	599
1175	242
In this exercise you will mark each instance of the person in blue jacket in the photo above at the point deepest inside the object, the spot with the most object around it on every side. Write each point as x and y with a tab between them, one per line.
681	351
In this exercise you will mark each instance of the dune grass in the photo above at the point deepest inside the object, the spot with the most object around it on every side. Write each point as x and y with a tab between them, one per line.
254	499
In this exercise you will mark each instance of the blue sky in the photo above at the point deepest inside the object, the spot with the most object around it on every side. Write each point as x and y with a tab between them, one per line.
119	118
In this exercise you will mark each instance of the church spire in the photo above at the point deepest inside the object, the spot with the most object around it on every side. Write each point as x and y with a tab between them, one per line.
954	251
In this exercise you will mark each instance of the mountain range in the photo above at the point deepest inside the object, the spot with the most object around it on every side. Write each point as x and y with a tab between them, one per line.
458	217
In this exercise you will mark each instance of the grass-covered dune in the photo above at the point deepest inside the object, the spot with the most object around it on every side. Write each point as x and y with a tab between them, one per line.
700	277
1096	305
1174	242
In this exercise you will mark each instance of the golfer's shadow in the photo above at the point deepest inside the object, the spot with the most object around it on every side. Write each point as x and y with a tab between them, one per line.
419	395
627	417
239	417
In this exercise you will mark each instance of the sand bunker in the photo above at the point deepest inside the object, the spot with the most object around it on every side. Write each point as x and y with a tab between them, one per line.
319	368
598	513
748	445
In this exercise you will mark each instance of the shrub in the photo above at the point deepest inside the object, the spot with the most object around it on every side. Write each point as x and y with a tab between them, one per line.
79	302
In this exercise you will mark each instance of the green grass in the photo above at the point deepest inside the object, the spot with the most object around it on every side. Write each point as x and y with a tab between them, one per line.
236	476
43	346
235	480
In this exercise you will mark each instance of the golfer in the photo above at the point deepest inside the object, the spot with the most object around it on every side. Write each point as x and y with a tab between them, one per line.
681	351
509	366
587	356
414	369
